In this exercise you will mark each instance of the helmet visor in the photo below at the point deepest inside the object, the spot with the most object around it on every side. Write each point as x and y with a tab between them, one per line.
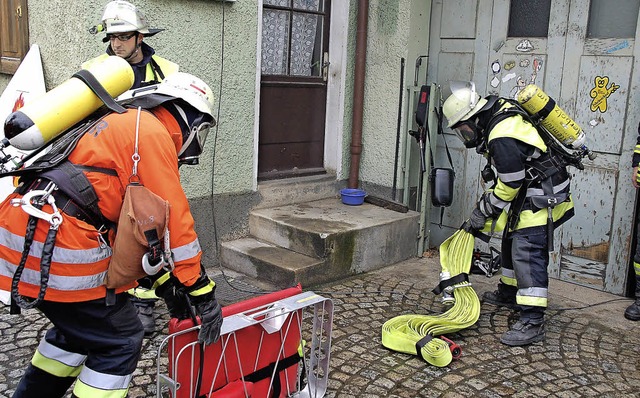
194	144
465	91
468	133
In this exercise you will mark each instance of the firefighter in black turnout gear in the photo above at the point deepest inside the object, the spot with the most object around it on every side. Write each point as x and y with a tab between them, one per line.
633	311
533	188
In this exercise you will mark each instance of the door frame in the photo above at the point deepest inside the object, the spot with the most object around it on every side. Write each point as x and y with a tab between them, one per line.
334	119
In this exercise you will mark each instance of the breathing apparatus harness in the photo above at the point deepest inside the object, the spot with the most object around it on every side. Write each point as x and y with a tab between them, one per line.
52	179
539	170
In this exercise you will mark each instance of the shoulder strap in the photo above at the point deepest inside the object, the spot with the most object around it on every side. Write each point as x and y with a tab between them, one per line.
555	148
514	110
441	132
156	68
87	78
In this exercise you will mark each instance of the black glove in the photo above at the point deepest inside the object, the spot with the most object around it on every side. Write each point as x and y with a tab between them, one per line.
210	313
477	219
172	292
202	296
484	210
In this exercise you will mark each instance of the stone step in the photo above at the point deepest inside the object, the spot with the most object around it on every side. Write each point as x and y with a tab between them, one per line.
297	190
351	239
271	263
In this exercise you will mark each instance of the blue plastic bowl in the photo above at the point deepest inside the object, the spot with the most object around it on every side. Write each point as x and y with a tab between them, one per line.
352	197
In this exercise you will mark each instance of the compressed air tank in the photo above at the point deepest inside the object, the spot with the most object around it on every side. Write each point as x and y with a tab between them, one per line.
49	115
552	117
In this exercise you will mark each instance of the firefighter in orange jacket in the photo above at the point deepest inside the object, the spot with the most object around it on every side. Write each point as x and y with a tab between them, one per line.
96	337
126	27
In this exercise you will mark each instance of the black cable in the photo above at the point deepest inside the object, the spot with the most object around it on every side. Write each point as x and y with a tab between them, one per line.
367	292
562	309
588	305
213	163
194	319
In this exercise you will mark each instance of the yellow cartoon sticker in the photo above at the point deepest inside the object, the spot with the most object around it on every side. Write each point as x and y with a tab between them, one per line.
600	93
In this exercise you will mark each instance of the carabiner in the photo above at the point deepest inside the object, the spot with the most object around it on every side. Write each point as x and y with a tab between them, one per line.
26	202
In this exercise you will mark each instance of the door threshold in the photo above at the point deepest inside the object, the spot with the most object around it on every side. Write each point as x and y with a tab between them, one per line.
285	174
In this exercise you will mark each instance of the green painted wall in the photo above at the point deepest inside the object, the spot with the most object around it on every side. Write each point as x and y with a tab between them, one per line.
396	29
193	39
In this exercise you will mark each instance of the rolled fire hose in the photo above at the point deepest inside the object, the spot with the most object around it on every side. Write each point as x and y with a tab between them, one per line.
404	332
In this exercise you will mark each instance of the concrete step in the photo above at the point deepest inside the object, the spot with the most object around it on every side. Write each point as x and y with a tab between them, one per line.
350	239
297	190
271	263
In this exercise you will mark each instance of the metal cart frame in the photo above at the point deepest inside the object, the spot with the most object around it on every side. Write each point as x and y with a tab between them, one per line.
285	317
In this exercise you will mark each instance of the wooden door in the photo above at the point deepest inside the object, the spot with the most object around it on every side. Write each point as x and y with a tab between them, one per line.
600	90
14	34
293	88
585	61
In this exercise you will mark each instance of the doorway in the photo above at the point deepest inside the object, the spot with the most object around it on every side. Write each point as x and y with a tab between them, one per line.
293	88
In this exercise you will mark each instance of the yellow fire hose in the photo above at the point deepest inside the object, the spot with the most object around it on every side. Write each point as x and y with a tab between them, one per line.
412	333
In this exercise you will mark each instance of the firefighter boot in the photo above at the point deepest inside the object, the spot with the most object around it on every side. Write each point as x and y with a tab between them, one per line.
633	311
529	329
144	308
523	333
36	383
505	296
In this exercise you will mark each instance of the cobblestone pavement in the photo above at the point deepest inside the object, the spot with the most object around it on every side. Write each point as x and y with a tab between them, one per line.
590	349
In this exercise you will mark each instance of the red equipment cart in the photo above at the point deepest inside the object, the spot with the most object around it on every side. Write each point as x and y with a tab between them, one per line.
263	350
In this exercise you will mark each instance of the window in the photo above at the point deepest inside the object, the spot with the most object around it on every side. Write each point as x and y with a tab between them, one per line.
292	37
529	18
14	34
606	21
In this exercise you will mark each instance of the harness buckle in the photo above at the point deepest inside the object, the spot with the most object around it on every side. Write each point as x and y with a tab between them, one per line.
40	197
531	174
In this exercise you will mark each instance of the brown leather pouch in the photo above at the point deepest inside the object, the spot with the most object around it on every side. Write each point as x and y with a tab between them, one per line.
142	210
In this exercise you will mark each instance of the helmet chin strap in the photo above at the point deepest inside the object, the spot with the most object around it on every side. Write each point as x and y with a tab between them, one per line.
133	54
182	114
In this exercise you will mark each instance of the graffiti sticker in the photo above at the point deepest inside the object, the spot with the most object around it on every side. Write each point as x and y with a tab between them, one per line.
619	46
600	92
524	46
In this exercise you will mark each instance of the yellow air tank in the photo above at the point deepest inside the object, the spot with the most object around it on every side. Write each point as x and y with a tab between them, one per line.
552	117
49	115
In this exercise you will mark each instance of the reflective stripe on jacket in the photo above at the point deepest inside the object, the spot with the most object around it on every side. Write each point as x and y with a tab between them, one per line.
80	259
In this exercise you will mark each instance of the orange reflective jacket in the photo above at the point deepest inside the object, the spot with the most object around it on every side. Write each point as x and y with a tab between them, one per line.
80	258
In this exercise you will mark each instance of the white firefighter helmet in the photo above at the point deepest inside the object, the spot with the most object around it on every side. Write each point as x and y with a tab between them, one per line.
185	86
463	103
195	119
191	89
121	16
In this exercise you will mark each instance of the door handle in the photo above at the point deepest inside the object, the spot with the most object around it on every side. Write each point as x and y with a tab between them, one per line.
325	66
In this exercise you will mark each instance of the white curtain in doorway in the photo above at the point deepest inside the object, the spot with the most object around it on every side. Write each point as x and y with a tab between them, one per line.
283	27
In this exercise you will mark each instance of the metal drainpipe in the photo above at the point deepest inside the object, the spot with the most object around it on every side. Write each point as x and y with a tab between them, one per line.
358	92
